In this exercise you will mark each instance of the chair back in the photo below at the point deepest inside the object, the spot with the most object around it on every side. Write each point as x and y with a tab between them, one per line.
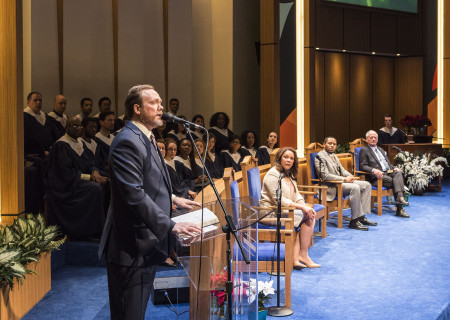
254	184
357	151
355	146
311	152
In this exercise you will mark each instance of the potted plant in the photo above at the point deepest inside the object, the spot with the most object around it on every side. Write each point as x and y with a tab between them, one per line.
264	290
419	169
24	250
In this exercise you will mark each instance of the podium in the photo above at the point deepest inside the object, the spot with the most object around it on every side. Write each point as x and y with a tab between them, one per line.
207	266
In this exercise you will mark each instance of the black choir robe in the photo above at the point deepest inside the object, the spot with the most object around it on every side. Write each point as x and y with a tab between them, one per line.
386	138
227	161
222	142
38	138
73	203
263	155
101	155
180	187
215	167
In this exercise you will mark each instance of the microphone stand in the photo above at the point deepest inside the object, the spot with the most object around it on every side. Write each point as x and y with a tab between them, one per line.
279	311
229	229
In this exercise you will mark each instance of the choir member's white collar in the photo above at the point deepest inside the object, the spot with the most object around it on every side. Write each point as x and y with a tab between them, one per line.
90	145
251	150
235	156
198	162
58	118
185	162
391	132
269	150
40	117
108	140
171	163
76	145
223	132
212	156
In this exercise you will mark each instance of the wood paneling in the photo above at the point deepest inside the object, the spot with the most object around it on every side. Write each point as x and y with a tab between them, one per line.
11	148
409	34
337	96
269	67
356	30
384	38
383	90
318	113
446	114
360	95
408	87
329	24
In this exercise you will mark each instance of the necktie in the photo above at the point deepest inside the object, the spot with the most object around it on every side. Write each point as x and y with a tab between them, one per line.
381	160
152	139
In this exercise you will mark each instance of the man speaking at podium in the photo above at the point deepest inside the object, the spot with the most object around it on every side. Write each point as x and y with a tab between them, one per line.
136	234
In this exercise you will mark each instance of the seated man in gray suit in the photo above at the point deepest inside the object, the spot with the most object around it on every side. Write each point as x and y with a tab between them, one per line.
373	159
327	163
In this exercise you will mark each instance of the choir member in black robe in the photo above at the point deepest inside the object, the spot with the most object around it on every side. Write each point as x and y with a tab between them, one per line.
104	139
104	105
196	132
188	170
219	127
39	131
234	155
59	106
85	108
39	136
212	161
180	188
389	134
249	141
263	153
179	133
75	195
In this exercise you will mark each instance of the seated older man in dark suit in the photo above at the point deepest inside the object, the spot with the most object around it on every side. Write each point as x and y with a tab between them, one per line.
374	159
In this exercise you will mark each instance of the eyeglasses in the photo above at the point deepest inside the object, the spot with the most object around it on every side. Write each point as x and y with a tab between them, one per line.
75	126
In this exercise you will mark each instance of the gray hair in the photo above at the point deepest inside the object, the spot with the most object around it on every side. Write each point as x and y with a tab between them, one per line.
369	132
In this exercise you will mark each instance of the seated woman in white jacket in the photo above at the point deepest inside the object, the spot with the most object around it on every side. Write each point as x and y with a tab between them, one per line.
286	168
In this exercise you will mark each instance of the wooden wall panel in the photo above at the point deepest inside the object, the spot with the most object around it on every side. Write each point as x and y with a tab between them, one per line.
317	112
11	126
446	115
409	34
383	90
408	87
269	67
337	96
329	24
356	30
360	95
383	39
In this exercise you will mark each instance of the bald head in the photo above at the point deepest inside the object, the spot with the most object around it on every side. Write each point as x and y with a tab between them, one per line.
73	127
60	103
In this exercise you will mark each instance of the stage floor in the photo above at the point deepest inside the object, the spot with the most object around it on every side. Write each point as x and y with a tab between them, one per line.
397	270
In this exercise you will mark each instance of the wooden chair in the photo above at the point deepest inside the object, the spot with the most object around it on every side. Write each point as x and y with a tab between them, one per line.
266	249
379	191
340	202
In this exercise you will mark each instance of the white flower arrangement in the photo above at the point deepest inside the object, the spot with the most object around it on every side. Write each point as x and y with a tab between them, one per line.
264	290
419	169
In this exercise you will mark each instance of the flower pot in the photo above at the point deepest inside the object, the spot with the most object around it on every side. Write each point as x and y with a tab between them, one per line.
262	315
14	304
418	192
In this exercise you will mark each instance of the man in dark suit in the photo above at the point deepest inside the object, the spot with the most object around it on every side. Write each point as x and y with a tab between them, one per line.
374	159
137	229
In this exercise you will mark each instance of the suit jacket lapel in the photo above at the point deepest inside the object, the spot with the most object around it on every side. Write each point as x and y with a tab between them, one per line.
155	156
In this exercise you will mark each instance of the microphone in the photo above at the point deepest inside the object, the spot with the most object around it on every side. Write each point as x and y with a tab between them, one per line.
175	119
397	148
278	193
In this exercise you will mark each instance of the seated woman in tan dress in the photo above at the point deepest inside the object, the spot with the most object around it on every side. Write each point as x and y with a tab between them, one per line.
286	168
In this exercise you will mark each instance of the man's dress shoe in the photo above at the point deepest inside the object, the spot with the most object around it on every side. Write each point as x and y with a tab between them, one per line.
357	225
366	221
401	201
402	213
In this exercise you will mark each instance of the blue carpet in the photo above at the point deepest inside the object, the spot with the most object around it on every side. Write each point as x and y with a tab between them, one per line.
397	270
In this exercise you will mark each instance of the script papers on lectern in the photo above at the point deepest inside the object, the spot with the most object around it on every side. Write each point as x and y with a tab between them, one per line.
210	220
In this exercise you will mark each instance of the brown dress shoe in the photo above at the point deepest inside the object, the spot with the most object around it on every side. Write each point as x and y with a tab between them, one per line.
402	213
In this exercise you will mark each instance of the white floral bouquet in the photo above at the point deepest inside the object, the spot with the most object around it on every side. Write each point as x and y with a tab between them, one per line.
419	169
264	290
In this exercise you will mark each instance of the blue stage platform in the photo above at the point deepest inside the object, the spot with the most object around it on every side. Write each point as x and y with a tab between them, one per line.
397	270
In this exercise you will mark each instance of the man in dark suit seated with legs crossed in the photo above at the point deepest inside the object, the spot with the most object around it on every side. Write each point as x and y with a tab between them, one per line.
373	159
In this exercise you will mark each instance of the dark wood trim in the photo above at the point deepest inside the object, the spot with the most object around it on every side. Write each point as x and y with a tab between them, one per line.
60	18
115	20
